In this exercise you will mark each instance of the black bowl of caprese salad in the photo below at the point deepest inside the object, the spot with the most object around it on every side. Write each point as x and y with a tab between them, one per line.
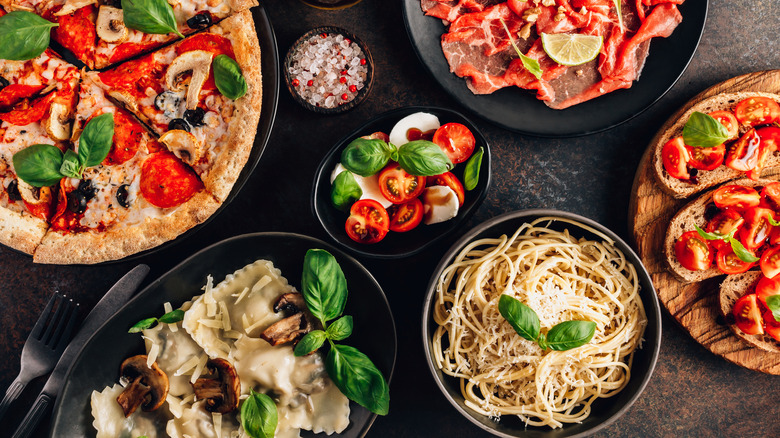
401	181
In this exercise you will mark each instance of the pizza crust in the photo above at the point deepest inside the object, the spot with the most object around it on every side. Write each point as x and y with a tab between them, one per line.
119	241
243	126
242	5
21	231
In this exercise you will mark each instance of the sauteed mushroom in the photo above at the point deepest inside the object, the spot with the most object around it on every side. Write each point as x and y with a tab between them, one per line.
290	329
147	387
290	303
220	388
110	25
196	61
56	124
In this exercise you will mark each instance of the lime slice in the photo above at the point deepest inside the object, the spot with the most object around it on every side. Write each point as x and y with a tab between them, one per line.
571	49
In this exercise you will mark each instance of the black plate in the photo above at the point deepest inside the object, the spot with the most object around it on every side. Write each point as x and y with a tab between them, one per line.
270	70
519	110
604	411
97	365
396	245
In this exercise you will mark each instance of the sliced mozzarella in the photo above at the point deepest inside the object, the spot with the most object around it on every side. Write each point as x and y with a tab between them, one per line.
423	121
369	185
441	204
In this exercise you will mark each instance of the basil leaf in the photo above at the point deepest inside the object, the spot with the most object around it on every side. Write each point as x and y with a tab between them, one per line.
471	171
710	236
530	64
340	329
173	316
23	35
702	130
570	334
70	165
366	157
228	77
150	16
324	285
39	165
423	158
96	140
143	325
542	341
773	304
259	415
743	254
521	317
310	343
355	376
345	191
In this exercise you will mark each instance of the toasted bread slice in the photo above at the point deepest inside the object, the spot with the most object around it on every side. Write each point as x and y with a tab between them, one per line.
733	288
706	179
685	219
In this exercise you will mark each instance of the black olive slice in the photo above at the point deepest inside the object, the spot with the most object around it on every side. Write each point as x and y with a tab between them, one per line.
77	202
4	82
199	20
86	188
179	124
121	196
195	117
13	191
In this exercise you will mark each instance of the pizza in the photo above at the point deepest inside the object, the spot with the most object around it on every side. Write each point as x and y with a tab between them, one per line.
95	166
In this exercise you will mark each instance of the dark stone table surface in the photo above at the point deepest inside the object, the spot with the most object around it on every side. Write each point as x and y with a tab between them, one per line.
692	393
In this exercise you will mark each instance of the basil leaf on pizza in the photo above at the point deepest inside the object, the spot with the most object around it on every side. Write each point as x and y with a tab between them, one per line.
150	16
70	165
228	77
39	165
96	139
23	35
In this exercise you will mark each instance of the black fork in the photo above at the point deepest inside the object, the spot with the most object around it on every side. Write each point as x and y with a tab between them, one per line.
44	346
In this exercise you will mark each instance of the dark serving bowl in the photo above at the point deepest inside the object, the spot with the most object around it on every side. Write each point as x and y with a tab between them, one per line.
397	245
604	411
361	94
97	366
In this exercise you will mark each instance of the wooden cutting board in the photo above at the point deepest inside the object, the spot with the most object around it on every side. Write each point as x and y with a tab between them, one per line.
694	306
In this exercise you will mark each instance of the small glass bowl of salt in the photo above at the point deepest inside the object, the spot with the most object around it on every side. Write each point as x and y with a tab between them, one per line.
328	70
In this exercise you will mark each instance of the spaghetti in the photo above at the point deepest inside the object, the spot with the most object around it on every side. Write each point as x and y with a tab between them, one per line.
560	277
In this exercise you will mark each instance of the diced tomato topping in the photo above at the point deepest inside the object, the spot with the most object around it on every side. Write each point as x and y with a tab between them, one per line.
706	158
757	227
693	252
770	262
729	263
748	315
744	154
727	119
734	196
755	111
770	195
771	325
724	223
767	287
675	159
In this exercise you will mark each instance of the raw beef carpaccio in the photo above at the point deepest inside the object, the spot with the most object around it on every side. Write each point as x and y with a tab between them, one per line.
478	48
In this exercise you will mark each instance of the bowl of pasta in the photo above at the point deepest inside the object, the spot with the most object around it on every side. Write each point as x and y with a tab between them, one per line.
541	323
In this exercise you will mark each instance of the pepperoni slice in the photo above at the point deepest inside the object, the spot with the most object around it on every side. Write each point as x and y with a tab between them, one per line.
128	74
216	44
128	50
25	113
167	182
76	32
14	93
128	135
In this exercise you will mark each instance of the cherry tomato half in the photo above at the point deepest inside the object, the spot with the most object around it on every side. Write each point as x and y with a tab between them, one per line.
755	111
706	158
368	221
744	154
405	217
727	119
693	252
399	187
674	157
451	181
757	227
724	223
729	263
767	287
456	141
771	325
748	315
770	262
734	196
377	136
770	195
770	138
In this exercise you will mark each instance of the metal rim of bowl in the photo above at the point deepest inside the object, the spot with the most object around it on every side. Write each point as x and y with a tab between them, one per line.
652	308
361	95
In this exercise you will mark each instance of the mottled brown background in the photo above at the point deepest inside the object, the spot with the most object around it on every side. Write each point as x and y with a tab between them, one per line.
692	393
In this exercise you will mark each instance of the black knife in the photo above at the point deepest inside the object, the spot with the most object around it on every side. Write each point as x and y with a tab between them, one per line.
115	298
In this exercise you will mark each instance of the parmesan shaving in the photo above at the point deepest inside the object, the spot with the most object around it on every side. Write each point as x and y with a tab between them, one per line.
168	309
199	368
174	406
151	358
225	316
242	295
211	323
187	366
216	418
